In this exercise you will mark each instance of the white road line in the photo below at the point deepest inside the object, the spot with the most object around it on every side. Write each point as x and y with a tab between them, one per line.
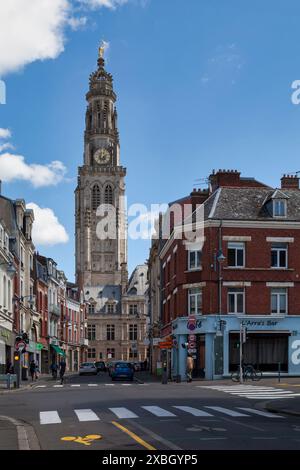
265	392
262	397
192	411
110	385
57	386
40	386
92	385
123	413
126	385
158	411
226	411
86	415
49	417
75	385
261	413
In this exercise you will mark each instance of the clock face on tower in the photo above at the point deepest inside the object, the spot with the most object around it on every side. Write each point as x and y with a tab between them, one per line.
102	156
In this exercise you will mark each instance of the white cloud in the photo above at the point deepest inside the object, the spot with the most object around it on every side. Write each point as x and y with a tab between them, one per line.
77	23
225	65
103	3
4	133
31	31
6	146
47	230
14	167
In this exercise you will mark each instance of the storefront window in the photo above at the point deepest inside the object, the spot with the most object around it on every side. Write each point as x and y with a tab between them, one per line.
195	301
236	300
278	301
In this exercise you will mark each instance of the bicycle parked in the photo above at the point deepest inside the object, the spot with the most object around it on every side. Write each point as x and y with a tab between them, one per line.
249	372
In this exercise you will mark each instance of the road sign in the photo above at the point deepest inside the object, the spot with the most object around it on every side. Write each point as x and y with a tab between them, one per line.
20	346
165	345
191	345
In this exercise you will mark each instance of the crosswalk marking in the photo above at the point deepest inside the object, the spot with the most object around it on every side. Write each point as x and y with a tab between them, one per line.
192	411
126	385
110	385
226	411
92	385
40	386
49	417
75	385
86	415
123	413
261	413
253	391
158	411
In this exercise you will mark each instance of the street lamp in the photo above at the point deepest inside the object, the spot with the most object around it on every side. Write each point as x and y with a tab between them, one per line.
10	267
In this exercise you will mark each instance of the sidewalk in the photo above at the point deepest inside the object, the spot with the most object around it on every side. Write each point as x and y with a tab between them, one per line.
290	406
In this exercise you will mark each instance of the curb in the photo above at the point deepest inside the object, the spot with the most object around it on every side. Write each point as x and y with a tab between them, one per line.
27	438
267	405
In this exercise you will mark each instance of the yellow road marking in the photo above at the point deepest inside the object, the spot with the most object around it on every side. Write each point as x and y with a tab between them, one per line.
86	440
134	436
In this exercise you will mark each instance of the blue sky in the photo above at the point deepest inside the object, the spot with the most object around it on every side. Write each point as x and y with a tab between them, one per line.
201	84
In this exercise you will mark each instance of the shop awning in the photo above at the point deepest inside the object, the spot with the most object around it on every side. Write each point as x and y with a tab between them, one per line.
58	350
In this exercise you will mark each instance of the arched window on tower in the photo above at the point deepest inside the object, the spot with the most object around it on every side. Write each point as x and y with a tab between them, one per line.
95	197
108	195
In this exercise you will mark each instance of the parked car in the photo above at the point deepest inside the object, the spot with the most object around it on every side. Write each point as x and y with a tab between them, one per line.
121	370
87	368
101	367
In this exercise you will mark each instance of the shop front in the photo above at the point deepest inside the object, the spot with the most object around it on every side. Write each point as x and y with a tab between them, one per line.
271	343
6	348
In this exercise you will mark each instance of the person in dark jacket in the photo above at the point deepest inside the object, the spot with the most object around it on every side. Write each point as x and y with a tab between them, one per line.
32	368
62	369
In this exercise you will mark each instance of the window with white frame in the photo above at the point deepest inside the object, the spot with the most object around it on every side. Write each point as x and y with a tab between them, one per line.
194	260
92	332
279	208
133	309
91	309
110	332
133	332
195	301
279	255
278	301
91	353
236	300
110	308
236	254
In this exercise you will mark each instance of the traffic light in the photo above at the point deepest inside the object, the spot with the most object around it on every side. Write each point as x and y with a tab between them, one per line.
25	338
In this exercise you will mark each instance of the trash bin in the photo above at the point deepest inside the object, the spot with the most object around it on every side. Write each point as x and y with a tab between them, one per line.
24	373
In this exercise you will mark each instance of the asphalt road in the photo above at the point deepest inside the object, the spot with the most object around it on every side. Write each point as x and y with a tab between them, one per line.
126	416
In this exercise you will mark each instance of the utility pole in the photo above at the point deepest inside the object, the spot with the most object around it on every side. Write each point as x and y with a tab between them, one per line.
241	354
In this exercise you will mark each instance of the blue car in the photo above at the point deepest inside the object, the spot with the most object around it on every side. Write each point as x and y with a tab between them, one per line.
121	370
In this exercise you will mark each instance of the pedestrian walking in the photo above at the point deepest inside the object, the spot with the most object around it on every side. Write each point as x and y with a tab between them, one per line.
53	369
189	367
62	370
32	368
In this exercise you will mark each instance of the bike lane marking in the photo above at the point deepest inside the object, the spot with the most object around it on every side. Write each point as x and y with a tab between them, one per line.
134	436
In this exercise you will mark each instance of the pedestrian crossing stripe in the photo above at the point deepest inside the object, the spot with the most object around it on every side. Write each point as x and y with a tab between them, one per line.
85	415
253	391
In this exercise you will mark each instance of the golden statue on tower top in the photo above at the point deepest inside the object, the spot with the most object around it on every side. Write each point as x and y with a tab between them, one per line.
101	51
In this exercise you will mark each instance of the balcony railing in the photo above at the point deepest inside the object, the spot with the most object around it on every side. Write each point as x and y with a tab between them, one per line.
54	309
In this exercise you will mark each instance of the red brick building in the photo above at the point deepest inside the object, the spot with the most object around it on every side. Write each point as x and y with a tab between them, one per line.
243	268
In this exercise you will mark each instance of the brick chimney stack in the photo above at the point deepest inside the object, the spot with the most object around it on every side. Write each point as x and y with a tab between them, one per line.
224	178
290	182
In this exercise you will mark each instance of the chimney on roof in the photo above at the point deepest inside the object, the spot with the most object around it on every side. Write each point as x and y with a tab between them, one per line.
224	178
290	182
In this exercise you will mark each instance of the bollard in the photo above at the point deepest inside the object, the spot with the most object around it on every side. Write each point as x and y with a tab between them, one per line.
279	367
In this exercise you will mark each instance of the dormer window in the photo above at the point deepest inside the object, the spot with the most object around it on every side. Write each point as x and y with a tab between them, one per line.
279	208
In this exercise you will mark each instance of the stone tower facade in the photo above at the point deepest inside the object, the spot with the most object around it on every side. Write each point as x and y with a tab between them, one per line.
101	259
